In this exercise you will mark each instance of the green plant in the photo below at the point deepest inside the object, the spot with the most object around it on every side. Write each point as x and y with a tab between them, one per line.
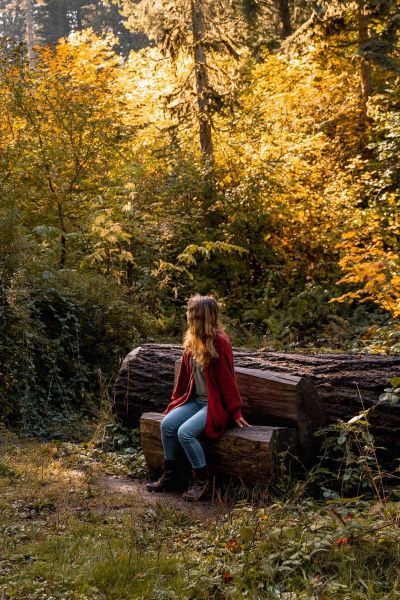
109	434
391	395
55	333
349	464
7	470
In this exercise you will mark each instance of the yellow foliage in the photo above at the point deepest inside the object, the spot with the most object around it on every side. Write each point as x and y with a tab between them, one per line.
374	272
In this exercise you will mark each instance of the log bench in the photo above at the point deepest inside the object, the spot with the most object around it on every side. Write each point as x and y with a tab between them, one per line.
284	412
346	384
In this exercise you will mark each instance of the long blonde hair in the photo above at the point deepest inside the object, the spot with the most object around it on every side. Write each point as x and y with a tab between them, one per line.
204	322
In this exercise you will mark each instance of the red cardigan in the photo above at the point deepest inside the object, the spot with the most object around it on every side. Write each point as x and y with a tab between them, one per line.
224	401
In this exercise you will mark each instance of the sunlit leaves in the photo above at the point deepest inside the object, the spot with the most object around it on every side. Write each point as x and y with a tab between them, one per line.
66	125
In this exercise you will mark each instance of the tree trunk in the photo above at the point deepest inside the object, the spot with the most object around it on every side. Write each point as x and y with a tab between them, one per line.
79	20
30	34
62	26
365	67
345	383
284	13
201	77
63	236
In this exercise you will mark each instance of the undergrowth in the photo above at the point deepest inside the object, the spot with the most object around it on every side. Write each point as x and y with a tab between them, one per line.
64	536
345	548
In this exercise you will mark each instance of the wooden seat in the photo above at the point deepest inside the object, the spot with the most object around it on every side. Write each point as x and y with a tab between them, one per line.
284	413
271	398
281	400
250	454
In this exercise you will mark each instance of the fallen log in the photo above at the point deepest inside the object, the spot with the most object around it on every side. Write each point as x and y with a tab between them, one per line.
345	383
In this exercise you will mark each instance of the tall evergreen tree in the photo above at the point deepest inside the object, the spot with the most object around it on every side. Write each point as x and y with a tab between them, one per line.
192	31
29	30
12	19
44	21
269	22
370	28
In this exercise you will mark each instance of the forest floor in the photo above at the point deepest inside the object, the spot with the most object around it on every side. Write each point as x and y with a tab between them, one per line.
48	488
74	526
135	493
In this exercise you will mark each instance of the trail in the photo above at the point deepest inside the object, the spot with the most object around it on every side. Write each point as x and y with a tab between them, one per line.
133	493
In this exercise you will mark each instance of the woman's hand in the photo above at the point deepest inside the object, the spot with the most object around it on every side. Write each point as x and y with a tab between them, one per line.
242	423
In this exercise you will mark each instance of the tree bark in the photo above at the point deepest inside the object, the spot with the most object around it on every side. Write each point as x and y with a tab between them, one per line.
365	67
250	454
345	383
202	83
284	13
30	34
63	236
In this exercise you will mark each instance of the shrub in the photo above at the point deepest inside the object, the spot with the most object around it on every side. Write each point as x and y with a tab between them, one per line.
56	330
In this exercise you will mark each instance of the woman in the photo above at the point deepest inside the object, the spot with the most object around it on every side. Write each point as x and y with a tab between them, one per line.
206	398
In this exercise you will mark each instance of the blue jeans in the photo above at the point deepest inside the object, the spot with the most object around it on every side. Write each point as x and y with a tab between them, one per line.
182	426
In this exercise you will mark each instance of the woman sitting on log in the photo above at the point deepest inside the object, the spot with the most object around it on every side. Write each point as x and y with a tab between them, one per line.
206	398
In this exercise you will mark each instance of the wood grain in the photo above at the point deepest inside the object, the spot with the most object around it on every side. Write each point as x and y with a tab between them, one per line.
280	399
344	382
249	454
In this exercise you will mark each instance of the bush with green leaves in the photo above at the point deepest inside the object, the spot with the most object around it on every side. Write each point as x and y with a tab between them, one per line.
57	329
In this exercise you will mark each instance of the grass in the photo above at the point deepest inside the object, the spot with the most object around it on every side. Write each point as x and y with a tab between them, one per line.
63	536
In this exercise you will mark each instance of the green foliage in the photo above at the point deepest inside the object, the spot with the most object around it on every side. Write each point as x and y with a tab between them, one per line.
351	456
57	329
7	470
110	455
391	395
381	338
111	216
294	549
287	542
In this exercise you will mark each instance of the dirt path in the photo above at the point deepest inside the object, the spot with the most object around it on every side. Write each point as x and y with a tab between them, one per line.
70	481
134	492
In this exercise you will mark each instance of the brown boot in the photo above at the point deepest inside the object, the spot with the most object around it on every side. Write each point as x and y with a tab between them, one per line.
201	486
170	480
